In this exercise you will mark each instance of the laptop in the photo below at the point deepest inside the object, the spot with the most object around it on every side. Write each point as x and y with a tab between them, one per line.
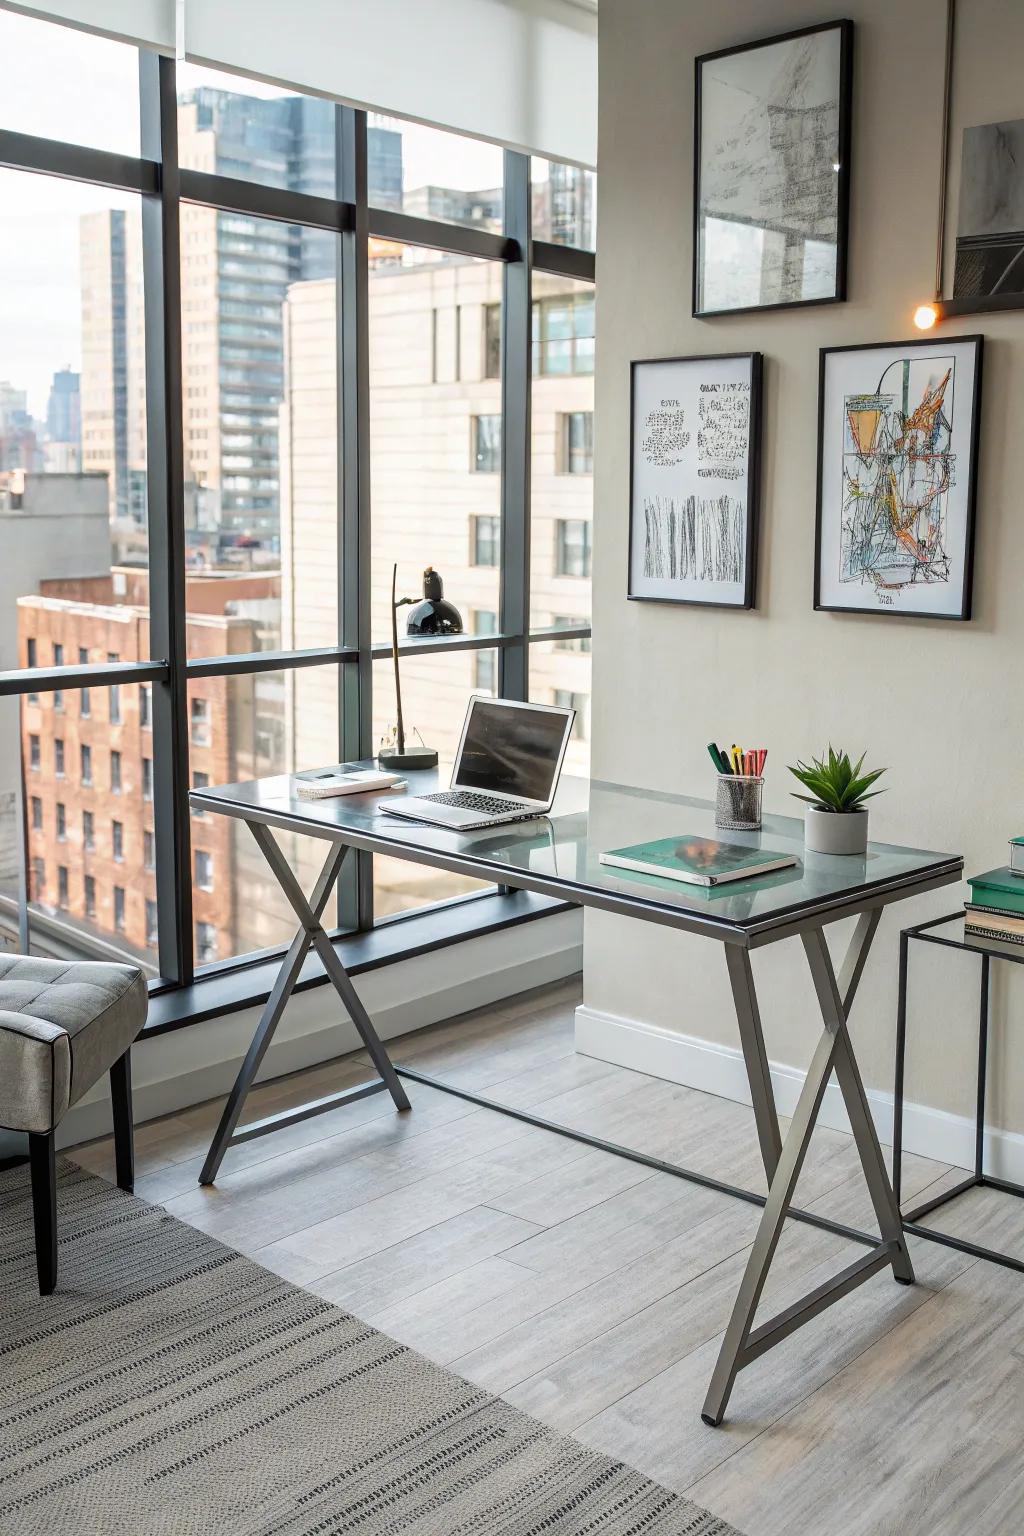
506	769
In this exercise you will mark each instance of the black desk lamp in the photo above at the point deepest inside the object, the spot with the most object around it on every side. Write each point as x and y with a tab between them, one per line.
432	615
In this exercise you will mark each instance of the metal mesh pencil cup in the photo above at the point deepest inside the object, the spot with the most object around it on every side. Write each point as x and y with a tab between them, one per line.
738	802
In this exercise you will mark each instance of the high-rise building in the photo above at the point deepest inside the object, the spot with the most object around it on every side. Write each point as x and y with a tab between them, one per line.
64	409
19	444
113	385
236	270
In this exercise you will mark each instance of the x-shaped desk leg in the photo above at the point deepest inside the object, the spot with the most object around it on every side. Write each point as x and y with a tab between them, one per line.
743	1342
310	933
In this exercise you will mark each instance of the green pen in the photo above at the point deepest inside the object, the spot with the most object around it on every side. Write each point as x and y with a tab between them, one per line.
715	756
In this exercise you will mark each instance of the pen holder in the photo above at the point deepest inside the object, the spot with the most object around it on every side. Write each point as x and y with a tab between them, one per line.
738	802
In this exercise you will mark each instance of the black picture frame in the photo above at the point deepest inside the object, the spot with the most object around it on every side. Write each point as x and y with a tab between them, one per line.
933	343
844	147
755	361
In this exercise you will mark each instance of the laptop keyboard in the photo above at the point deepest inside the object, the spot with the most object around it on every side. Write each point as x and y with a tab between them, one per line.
466	800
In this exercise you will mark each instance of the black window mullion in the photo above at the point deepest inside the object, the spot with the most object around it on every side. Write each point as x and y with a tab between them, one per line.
514	614
356	686
161	245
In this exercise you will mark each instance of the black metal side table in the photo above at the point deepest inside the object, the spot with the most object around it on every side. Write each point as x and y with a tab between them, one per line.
953	937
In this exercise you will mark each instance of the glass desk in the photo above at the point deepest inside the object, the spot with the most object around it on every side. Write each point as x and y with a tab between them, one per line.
949	933
559	855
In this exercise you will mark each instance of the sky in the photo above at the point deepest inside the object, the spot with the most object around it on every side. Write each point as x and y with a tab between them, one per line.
69	85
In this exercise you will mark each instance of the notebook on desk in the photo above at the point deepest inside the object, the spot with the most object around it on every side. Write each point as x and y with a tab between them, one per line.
697	860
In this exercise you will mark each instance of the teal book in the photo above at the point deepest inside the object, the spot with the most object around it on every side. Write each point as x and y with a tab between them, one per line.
999	889
697	860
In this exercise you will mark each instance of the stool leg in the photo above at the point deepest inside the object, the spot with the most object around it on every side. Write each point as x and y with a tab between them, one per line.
124	1134
44	1208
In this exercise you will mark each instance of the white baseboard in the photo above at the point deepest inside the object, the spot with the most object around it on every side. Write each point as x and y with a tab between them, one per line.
186	1066
719	1069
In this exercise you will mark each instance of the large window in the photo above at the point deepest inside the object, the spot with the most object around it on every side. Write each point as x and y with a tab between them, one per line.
240	515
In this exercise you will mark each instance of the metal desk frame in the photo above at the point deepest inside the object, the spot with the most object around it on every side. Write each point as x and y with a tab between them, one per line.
743	1342
979	1179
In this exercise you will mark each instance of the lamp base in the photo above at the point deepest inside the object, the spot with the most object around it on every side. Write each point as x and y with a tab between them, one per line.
409	760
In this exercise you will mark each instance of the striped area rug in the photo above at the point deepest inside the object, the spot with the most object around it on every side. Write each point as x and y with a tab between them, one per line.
172	1387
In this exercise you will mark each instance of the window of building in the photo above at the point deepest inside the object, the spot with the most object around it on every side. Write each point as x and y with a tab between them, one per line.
580	702
486	540
31	652
485	663
563	203
58	655
152	931
487	445
58	757
62	885
200	780
119	909
62	823
86	766
492	341
563	333
576	443
34	756
38	879
117	841
88	831
58	700
456	180
572	547
146	706
115	773
89	885
204	869
114	704
147	778
84	698
200	719
37	814
579	643
206	943
148	849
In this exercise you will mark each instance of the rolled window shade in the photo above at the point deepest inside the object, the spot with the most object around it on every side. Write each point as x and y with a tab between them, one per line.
522	73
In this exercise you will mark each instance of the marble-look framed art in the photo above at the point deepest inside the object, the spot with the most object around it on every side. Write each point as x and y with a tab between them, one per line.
771	197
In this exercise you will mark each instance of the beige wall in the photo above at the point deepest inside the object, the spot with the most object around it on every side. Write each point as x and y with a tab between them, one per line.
940	703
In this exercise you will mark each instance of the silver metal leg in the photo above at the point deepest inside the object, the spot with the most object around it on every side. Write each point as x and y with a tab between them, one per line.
755	1056
311	933
743	1342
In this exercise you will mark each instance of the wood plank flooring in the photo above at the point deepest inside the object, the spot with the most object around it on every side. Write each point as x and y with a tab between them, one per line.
593	1292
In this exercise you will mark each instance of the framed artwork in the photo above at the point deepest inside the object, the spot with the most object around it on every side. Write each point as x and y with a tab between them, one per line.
897	472
772	171
694	468
989	268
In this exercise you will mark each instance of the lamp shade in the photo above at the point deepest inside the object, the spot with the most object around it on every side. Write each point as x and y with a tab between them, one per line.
434	615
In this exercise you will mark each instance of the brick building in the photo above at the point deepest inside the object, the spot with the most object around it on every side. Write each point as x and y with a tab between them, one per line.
88	760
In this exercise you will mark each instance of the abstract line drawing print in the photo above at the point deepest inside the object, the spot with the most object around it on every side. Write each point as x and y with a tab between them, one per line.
697	539
898	468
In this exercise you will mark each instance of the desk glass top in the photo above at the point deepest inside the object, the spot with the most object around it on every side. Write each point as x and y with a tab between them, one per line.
559	854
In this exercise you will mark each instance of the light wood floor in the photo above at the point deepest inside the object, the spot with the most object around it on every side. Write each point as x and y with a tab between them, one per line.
594	1293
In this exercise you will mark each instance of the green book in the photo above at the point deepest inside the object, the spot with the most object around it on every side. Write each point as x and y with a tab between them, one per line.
697	860
998	888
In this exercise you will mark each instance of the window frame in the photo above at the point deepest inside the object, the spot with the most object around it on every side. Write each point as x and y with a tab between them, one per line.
164	186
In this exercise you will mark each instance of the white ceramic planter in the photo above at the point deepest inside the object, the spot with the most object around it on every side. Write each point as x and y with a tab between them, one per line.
835	832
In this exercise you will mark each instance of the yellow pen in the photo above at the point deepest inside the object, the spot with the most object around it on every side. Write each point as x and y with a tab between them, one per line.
736	759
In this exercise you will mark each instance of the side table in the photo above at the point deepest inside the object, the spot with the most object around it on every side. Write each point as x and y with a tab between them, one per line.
949	932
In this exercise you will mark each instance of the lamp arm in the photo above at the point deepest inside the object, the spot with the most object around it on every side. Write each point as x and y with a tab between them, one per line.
394	656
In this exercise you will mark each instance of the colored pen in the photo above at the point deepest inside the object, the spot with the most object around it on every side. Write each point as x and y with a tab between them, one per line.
714	756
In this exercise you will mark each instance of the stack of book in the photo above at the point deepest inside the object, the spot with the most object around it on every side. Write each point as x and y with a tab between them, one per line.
996	907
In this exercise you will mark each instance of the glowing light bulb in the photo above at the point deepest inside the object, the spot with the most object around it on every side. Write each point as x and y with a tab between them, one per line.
925	316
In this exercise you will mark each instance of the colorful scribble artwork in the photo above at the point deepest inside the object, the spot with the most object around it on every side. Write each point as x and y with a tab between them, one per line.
897	472
898	468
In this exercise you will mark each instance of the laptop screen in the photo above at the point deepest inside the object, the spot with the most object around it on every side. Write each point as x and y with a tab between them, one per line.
511	750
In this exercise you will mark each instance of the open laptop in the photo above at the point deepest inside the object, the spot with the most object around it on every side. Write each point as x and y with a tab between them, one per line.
506	768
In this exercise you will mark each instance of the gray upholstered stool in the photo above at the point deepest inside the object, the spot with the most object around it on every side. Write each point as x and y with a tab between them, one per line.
61	1027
